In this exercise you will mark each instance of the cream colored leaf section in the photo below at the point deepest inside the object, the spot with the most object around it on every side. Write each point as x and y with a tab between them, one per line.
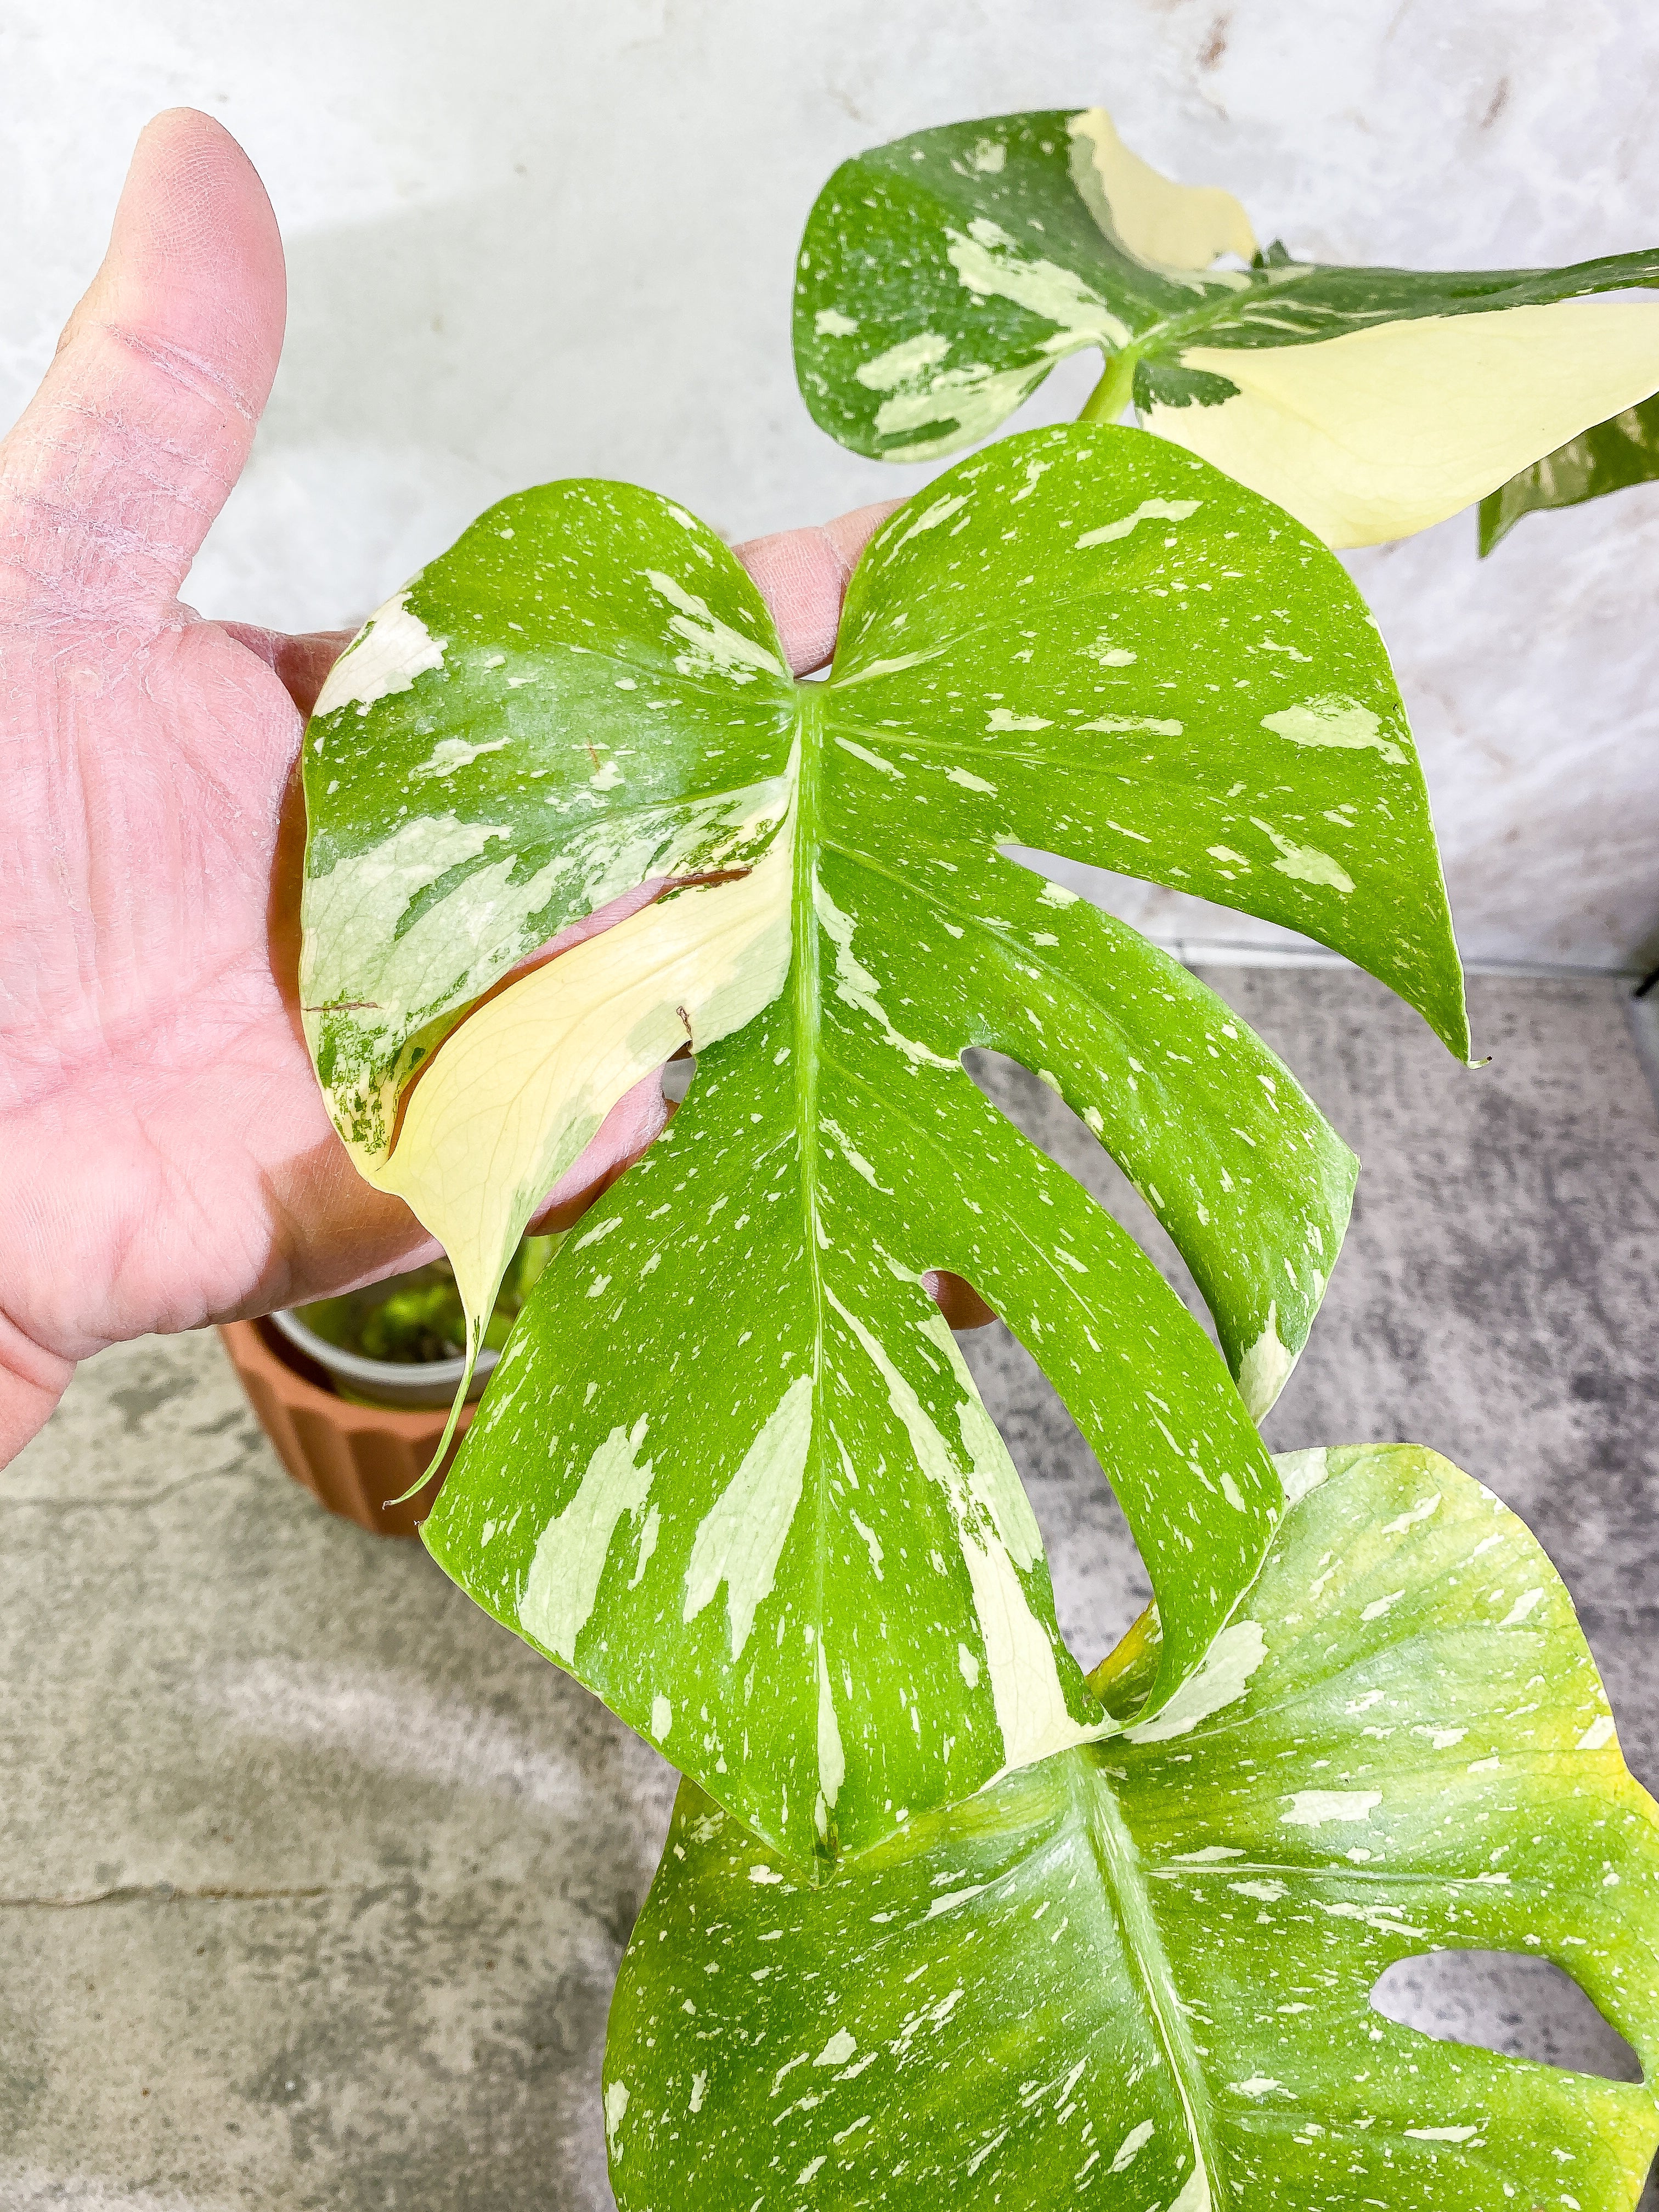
571	1552
511	1098
1171	225
1381	432
1221	1679
1264	1370
740	1540
371	982
389	652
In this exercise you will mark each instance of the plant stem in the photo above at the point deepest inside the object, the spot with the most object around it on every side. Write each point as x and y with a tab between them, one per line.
1114	390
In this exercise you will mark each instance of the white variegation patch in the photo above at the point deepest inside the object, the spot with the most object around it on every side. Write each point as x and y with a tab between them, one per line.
1133	2143
1221	1678
1149	510
714	648
971	400
1313	1808
961	399
1264	1370
1305	864
1343	724
1020	1653
564	1575
990	263
907	362
450	754
1195	2194
832	1758
1300	1472
389	652
370	982
994	1478
856	987
741	1538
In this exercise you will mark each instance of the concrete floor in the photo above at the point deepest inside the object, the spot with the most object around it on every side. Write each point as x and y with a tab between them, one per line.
313	1882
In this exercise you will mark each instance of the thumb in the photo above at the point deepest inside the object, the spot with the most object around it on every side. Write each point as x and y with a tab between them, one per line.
109	481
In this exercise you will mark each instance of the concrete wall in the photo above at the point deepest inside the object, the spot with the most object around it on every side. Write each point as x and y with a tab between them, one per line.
528	240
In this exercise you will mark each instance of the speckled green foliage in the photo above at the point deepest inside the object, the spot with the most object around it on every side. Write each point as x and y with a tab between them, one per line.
1193	693
580	692
1138	1974
731	1470
1612	457
974	243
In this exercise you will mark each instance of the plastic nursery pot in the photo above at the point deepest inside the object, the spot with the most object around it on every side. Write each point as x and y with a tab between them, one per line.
403	1384
351	1457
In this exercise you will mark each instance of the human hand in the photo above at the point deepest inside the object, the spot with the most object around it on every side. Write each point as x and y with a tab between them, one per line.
165	1158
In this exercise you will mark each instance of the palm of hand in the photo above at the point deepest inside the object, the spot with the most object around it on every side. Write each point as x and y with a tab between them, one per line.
165	1158
164	1132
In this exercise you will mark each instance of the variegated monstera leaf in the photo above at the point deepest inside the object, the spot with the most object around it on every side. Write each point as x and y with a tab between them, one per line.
1613	455
731	1470
942	276
1139	1974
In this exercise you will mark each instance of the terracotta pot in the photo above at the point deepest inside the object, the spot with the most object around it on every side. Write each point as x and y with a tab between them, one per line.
352	1458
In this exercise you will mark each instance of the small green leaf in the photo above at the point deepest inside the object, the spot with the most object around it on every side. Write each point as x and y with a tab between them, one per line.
1139	1974
941	277
1616	453
731	1470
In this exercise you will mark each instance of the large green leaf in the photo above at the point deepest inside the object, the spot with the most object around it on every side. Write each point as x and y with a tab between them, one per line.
1615	454
731	1470
1139	1974
943	276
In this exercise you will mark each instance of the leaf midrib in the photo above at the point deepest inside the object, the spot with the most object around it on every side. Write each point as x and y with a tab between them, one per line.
1175	331
808	1022
1127	1895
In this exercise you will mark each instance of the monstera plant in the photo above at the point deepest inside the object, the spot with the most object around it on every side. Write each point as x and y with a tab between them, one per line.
1139	1973
940	1909
943	276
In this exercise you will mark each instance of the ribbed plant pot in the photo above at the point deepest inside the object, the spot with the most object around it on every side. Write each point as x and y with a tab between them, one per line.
353	1459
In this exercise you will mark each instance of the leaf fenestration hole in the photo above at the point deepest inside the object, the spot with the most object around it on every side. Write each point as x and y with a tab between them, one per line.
1039	1112
1101	1583
678	1077
1507	2001
1181	922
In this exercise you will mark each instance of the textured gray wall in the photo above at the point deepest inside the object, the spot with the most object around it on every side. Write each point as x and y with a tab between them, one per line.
529	241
